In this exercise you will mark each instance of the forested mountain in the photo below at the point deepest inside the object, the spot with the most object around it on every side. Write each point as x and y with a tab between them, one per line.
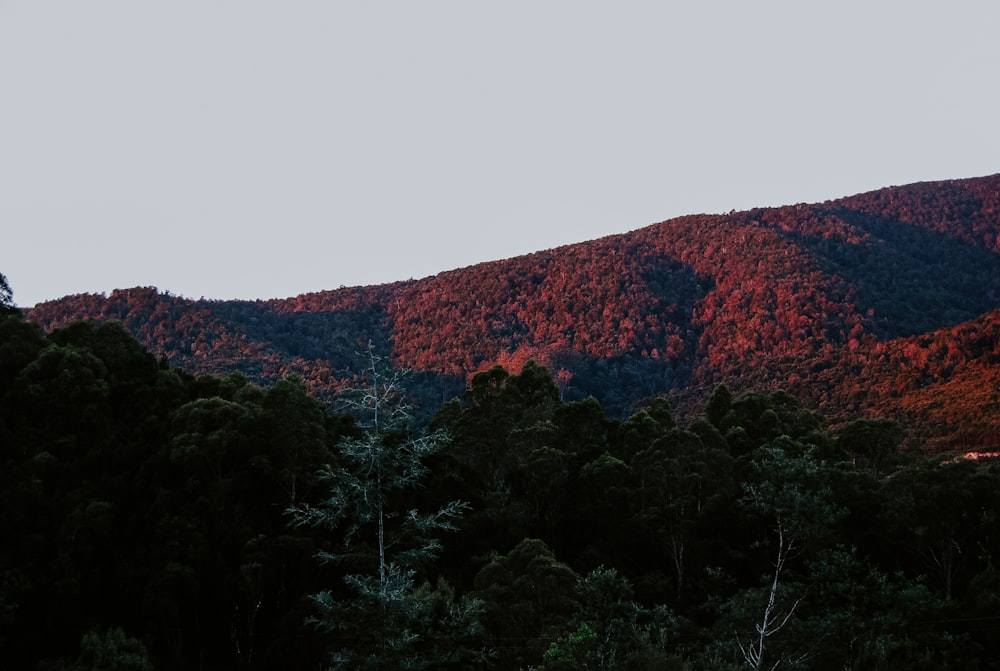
883	303
692	456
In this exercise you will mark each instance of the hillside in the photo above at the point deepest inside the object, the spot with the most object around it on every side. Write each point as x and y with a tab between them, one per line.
884	303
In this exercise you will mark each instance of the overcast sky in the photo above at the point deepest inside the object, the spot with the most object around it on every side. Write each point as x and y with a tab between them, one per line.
252	149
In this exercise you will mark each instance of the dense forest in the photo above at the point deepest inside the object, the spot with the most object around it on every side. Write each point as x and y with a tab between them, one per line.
158	518
882	304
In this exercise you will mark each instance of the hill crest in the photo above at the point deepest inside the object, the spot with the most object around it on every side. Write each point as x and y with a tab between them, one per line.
882	302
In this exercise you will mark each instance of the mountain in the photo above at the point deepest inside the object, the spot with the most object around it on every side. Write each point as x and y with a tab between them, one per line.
884	303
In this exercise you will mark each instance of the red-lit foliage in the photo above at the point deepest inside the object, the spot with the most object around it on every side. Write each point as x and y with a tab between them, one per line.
944	384
866	303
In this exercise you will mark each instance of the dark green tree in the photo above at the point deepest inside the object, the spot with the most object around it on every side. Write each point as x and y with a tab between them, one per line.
942	513
503	438
719	404
861	618
6	297
529	597
679	481
111	650
789	495
876	441
610	631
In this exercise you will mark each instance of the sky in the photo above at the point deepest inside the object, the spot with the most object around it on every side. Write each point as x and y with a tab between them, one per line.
250	149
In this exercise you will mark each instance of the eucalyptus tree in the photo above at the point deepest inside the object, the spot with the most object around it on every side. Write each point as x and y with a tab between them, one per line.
787	492
610	631
380	615
679	481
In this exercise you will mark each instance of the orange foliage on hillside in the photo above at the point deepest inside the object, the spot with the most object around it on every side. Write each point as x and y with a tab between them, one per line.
870	303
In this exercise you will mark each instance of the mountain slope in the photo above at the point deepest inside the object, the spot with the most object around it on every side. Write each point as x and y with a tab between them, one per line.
850	304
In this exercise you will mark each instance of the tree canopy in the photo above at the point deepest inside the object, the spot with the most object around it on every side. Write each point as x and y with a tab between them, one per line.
147	516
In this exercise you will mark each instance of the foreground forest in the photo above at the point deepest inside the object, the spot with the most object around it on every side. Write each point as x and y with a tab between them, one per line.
880	304
156	518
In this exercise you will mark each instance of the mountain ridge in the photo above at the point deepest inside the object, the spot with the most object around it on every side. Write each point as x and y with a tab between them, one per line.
883	303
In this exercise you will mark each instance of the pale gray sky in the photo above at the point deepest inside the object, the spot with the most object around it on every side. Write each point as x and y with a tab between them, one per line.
251	149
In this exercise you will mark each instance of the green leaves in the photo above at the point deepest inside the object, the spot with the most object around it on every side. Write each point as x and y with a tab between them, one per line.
610	631
787	490
529	596
111	650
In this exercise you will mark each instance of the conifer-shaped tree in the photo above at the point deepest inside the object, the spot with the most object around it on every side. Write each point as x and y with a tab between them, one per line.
378	620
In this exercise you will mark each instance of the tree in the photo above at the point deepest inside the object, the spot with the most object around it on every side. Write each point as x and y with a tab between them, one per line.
295	426
611	631
680	479
875	440
529	597
380	617
862	618
790	495
719	404
495	438
6	296
111	650
943	512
